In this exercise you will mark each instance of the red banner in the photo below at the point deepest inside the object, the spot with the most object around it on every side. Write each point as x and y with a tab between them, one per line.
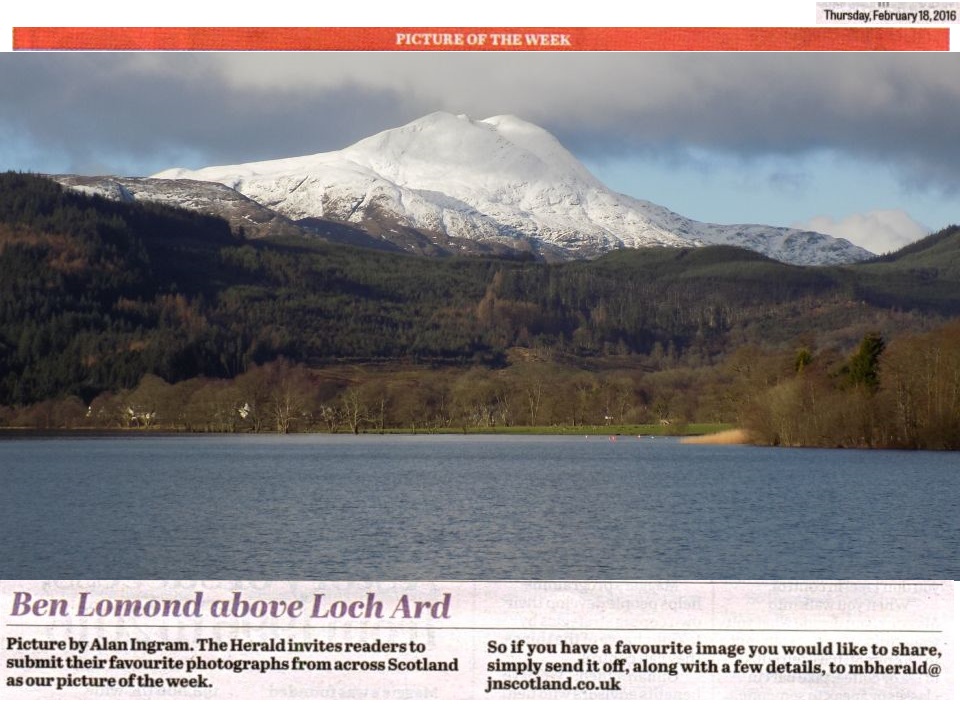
483	38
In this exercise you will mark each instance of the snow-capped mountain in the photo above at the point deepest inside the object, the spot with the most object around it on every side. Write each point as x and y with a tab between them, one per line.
501	181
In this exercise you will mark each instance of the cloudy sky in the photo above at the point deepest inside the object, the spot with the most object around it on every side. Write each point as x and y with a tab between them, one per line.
864	146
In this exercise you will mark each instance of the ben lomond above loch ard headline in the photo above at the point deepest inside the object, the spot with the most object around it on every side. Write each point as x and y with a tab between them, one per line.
448	184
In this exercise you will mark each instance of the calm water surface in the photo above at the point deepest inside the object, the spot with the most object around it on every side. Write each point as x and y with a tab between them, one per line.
472	507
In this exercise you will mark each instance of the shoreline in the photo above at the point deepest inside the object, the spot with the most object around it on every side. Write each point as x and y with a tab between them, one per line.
686	431
729	437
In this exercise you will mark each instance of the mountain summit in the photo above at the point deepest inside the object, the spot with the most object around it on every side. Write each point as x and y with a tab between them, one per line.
498	181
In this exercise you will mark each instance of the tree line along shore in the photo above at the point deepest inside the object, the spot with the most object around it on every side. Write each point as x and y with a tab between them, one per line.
140	316
905	394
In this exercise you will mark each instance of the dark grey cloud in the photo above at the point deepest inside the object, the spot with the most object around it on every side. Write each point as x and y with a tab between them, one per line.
149	111
113	113
896	109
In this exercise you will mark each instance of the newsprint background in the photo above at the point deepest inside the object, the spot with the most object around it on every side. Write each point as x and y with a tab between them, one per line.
479	640
651	641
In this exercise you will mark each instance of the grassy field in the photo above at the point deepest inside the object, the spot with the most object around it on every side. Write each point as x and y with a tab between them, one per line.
649	429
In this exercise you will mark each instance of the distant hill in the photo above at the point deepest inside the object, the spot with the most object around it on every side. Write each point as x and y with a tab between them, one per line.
940	251
922	275
94	294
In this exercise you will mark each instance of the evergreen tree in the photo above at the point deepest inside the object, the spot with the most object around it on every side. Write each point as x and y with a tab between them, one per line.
862	369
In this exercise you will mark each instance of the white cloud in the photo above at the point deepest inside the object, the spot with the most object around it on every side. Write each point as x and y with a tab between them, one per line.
879	231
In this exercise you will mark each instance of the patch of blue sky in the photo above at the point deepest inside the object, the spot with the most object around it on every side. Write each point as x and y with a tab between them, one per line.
779	190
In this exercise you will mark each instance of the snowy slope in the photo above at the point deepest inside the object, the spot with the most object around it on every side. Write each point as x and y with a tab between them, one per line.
497	180
205	197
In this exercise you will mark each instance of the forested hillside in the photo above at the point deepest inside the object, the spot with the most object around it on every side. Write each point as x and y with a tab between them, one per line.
101	300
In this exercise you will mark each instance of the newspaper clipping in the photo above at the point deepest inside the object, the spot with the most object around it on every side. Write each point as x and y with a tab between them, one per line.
487	328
